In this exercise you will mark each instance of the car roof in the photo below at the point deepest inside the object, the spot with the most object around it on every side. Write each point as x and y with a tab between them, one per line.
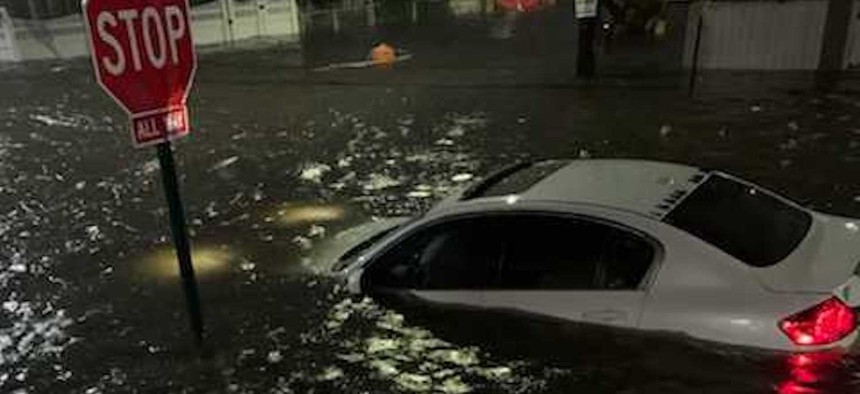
646	187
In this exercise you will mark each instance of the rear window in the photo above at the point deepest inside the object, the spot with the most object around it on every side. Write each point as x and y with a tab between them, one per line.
746	222
515	179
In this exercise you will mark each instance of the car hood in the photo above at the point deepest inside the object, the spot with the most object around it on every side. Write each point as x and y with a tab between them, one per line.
825	259
327	254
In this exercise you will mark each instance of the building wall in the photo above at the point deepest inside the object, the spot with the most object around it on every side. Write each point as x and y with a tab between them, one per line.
65	37
757	35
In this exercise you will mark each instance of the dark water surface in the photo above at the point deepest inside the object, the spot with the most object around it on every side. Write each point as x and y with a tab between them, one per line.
283	158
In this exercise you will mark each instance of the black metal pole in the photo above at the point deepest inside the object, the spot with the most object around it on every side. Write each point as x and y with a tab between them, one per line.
585	53
180	239
694	67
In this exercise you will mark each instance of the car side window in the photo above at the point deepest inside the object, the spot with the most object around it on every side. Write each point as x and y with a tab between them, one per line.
549	253
515	252
546	252
461	254
625	260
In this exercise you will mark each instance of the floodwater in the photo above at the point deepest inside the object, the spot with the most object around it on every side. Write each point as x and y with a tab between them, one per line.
282	159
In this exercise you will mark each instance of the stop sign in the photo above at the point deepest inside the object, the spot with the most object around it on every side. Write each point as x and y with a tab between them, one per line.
144	58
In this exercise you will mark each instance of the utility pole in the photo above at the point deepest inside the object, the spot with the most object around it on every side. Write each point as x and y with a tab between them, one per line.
586	18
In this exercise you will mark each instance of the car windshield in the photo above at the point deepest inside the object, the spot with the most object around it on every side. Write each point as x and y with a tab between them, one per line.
356	250
744	221
515	179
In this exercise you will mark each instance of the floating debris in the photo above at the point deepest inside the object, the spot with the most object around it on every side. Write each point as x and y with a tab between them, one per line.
274	357
303	242
379	182
225	163
313	172
419	194
462	177
330	373
316	231
55	121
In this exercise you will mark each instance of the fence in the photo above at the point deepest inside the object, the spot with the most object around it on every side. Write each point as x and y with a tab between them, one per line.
218	22
763	35
226	21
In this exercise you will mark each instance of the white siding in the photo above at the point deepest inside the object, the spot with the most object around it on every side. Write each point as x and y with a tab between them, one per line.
760	35
65	37
59	38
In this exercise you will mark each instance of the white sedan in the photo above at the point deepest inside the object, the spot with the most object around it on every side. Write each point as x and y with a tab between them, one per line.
634	244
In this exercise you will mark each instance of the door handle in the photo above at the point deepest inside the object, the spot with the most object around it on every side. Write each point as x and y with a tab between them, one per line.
605	315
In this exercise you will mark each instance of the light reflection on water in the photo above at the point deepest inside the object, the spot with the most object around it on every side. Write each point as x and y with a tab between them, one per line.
810	373
291	214
30	332
207	260
377	340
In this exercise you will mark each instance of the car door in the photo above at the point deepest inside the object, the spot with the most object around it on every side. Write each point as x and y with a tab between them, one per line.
452	262
437	278
571	267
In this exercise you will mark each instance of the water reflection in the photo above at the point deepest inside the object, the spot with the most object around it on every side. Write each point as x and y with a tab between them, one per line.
290	214
377	342
811	372
207	259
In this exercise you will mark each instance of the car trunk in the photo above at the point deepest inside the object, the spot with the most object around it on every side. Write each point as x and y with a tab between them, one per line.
826	259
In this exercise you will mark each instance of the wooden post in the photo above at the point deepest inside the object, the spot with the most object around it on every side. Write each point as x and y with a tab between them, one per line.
227	24
296	19
262	12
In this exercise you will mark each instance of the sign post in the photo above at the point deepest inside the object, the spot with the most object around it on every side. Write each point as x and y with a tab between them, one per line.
144	58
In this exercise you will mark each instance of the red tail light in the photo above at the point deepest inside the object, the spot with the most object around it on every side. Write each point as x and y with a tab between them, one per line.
824	323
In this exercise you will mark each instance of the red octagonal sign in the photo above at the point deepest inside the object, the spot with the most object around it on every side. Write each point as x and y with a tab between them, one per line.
144	58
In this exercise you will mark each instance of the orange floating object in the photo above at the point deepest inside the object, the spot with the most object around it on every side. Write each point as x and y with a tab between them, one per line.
383	54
